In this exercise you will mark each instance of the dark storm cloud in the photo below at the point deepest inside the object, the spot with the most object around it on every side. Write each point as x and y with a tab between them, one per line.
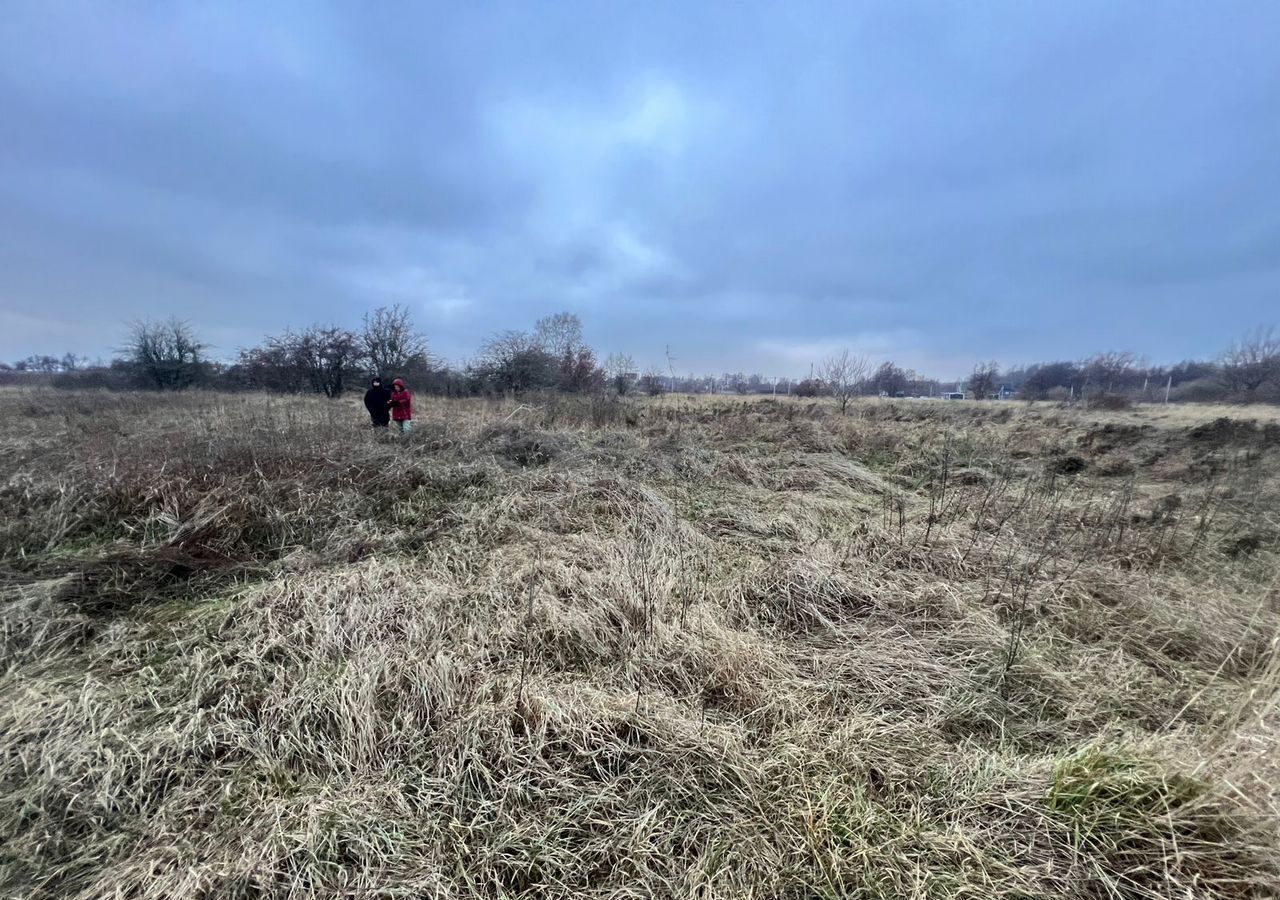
752	185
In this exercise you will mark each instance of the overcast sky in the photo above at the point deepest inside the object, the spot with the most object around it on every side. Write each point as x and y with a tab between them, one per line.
750	184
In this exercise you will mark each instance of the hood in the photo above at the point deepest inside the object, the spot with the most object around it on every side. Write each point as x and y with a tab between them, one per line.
398	384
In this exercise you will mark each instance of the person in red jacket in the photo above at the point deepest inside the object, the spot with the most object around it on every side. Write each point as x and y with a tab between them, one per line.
401	406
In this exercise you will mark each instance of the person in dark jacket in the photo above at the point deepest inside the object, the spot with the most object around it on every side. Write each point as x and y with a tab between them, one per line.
401	406
378	401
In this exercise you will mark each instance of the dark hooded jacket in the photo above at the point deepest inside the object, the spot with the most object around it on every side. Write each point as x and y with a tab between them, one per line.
378	401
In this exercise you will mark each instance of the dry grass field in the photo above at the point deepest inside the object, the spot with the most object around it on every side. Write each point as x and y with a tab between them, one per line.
597	648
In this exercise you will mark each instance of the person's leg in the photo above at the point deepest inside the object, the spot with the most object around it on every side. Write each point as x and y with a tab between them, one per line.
406	426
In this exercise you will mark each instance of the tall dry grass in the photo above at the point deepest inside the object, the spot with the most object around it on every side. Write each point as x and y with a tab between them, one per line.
591	647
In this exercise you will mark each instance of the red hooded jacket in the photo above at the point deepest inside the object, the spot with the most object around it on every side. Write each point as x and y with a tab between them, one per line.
401	401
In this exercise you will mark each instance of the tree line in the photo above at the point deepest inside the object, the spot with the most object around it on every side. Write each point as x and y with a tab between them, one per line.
554	356
333	360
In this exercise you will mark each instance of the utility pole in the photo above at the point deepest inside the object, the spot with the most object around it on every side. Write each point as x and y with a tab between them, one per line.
1168	386
671	369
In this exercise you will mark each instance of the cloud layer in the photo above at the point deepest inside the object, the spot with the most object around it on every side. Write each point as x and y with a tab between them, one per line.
750	185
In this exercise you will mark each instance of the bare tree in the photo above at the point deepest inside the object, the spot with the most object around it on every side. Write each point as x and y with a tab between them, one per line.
843	374
327	357
270	366
1252	361
653	382
888	379
579	374
559	335
166	355
621	369
390	342
507	344
323	358
982	381
1109	372
808	387
515	361
39	362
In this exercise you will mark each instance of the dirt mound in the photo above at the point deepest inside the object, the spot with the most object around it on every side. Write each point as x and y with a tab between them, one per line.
1224	431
